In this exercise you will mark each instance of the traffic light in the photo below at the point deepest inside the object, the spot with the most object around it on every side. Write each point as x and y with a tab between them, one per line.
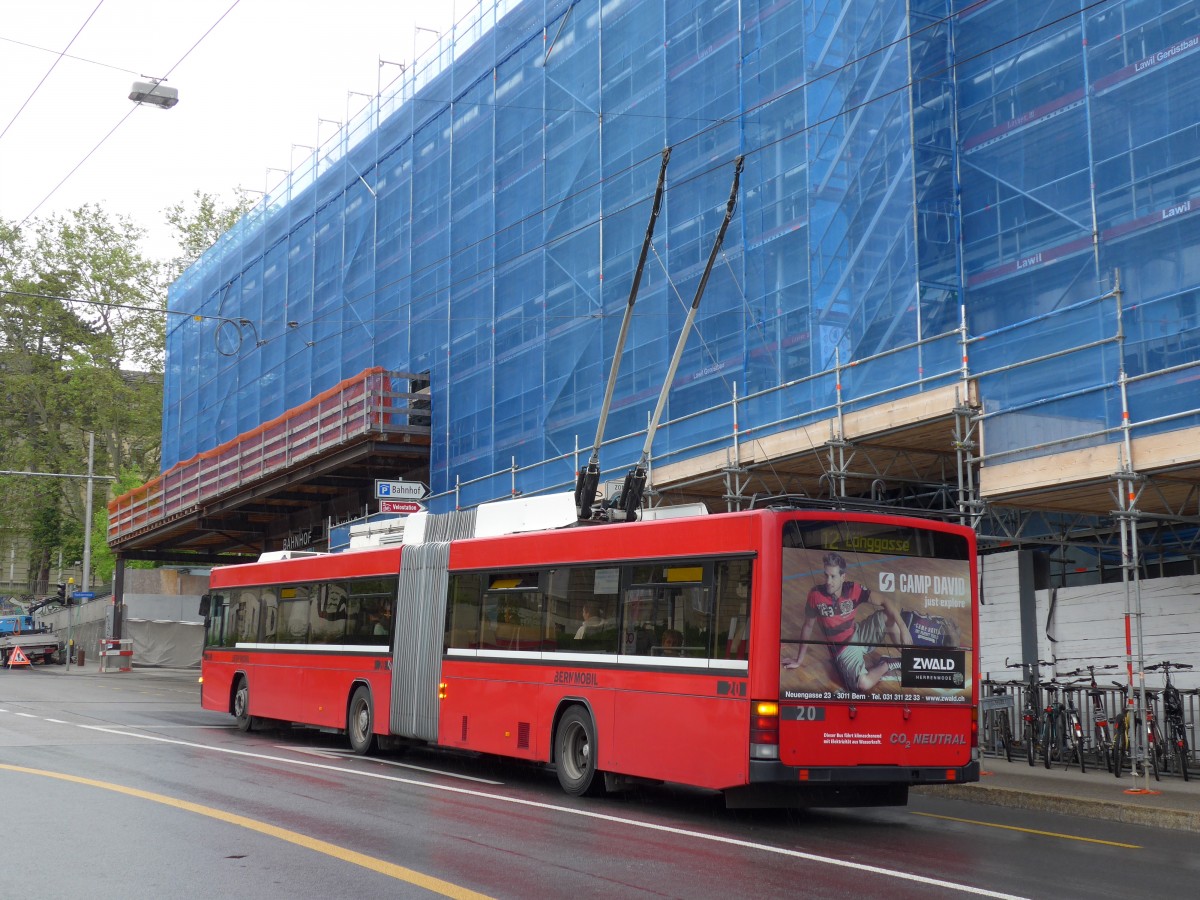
61	591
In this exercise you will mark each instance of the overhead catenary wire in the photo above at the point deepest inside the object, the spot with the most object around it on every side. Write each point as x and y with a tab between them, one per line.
57	60
125	117
84	59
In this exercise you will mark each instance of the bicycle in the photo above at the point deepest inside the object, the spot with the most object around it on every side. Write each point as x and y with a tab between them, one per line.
1031	715
996	725
1123	742
1173	711
1101	743
1073	732
1062	734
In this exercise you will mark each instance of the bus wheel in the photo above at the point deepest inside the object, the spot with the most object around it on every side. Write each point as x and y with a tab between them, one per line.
575	754
241	705
359	721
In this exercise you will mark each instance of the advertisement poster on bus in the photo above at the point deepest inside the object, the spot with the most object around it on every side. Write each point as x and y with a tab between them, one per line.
864	626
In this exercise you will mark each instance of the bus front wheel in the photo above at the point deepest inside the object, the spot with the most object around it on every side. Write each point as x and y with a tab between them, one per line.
359	722
575	754
241	705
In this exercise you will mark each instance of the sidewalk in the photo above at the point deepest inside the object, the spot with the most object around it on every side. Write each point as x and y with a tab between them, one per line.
1171	802
91	667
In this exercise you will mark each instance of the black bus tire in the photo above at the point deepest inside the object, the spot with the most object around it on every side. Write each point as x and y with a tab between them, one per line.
359	722
241	704
575	754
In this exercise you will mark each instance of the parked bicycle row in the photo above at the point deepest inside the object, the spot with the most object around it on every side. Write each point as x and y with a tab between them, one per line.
1085	717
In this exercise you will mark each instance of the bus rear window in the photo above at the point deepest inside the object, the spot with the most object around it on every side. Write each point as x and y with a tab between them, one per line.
875	610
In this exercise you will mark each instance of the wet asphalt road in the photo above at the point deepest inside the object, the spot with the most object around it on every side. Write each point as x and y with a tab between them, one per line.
120	786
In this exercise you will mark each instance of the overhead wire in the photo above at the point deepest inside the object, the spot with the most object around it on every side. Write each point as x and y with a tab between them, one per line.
57	60
125	117
64	55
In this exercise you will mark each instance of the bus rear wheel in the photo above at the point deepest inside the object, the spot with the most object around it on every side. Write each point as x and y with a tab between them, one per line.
359	722
575	754
241	705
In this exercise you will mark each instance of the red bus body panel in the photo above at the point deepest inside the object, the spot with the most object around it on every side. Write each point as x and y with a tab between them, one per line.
683	727
309	688
688	725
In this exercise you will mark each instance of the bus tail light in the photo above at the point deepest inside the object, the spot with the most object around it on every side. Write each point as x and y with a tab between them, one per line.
764	730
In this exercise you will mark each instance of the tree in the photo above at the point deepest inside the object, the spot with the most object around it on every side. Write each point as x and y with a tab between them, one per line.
82	337
199	224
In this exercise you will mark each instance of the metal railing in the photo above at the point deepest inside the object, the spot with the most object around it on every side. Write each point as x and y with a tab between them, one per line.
367	404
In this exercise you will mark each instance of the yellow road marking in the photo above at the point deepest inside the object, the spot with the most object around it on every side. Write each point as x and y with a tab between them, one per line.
1065	837
429	883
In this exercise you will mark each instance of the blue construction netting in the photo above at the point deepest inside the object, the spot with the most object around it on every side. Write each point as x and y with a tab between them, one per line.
905	162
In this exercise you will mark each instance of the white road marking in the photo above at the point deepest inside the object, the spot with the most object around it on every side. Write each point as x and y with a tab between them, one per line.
581	813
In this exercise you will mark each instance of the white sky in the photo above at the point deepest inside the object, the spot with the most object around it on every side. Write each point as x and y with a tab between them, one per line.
256	85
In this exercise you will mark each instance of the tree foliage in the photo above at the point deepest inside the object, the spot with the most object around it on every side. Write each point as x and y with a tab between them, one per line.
82	336
199	223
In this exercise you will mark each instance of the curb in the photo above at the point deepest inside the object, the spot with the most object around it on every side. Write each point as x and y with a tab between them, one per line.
1159	817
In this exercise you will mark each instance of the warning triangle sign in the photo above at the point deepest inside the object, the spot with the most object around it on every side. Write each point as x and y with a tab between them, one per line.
17	658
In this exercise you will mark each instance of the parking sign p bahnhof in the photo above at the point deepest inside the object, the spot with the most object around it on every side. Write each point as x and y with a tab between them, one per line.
399	490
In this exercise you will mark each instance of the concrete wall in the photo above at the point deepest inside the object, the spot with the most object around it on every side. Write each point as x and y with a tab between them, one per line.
161	617
1075	626
165	594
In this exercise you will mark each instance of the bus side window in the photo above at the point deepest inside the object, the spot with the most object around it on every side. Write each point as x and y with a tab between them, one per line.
731	620
323	628
244	609
582	609
463	612
295	608
514	611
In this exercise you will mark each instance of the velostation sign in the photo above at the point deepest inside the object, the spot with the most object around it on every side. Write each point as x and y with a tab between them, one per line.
404	507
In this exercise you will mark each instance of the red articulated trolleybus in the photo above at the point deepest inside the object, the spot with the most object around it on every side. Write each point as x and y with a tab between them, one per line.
782	656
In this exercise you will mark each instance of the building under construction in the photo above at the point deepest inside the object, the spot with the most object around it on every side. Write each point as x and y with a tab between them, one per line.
962	276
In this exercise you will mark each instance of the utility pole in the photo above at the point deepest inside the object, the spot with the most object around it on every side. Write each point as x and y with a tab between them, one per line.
91	478
87	515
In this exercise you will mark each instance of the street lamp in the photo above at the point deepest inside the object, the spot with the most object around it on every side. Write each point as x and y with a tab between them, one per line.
154	93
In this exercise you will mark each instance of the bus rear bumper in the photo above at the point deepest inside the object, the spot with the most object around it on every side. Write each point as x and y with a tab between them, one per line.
773	784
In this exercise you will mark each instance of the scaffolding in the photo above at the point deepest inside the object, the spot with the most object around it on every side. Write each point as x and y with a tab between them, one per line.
926	184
